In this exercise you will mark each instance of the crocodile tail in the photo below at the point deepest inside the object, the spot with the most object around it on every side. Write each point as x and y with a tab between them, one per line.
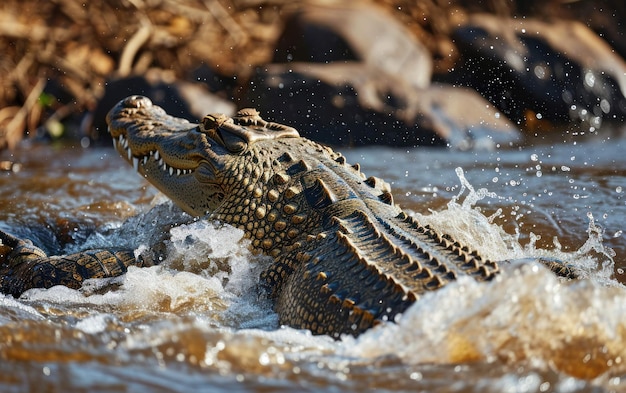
28	266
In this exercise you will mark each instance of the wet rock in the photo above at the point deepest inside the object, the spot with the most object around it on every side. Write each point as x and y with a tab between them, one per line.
355	104
191	101
365	33
531	70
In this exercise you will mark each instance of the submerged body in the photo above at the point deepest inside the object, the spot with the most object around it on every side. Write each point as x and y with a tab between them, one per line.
345	256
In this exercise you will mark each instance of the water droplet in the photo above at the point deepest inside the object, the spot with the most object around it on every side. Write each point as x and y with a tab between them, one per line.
264	359
541	71
416	376
605	106
590	79
544	387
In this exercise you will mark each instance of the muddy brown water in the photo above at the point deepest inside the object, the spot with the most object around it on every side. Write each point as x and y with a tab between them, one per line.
198	322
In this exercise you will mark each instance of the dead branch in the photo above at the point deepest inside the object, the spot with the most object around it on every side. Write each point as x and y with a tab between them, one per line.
138	39
15	126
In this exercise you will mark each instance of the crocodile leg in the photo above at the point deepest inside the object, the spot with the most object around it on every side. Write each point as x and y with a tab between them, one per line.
28	266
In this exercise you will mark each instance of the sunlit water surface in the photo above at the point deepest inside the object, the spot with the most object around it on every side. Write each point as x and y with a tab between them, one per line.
198	322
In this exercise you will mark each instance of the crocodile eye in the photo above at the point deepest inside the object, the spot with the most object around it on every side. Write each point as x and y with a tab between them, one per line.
246	128
222	129
232	142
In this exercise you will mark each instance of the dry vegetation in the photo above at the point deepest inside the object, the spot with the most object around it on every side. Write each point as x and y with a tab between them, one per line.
78	45
58	54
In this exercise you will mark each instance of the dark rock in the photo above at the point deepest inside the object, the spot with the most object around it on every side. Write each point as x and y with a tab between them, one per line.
191	101
559	71
224	86
365	33
464	118
353	104
606	18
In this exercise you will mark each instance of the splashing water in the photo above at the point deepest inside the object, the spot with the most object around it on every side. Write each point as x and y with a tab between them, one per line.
470	226
525	316
198	321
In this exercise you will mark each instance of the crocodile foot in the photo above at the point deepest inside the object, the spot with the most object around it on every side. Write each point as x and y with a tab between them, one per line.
27	266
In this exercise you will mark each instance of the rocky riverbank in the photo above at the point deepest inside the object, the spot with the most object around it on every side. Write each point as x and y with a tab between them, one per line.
369	72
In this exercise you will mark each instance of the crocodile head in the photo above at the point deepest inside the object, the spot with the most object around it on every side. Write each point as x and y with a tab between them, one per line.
196	165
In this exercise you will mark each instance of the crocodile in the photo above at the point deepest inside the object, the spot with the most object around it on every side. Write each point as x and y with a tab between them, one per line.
346	257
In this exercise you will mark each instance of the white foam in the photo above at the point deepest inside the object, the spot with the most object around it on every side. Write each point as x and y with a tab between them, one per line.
13	309
206	247
466	223
525	313
208	270
94	324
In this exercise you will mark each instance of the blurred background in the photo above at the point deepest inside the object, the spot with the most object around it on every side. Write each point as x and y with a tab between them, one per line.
348	68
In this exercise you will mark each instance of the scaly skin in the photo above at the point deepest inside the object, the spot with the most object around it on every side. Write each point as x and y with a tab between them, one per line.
345	256
29	267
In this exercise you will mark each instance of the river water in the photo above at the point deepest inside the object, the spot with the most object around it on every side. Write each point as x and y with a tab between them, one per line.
198	323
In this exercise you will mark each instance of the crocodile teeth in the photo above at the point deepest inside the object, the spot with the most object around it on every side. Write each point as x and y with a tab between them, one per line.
136	163
162	164
123	141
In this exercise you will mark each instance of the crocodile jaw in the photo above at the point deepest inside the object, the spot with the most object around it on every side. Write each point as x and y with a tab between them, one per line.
170	153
